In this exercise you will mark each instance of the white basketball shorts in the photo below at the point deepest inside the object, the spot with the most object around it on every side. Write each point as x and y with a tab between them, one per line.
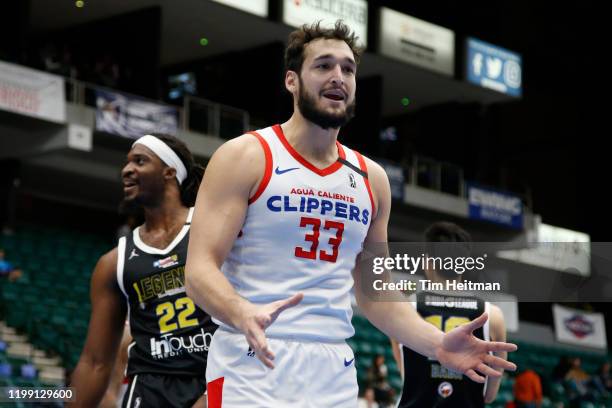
306	374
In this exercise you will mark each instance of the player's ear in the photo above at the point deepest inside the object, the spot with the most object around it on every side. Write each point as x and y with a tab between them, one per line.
292	81
169	173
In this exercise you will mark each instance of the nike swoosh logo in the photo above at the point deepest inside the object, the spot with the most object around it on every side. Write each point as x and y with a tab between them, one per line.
348	363
279	171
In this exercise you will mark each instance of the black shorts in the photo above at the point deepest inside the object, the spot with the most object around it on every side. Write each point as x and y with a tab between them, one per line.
163	391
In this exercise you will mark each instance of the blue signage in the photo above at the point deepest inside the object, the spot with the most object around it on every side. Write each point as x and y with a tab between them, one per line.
494	67
494	206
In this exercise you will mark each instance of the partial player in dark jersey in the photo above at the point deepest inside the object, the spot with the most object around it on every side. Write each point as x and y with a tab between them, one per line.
428	384
144	275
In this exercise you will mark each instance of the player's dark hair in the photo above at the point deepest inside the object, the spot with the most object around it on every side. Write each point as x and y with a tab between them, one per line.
446	239
189	187
298	39
443	231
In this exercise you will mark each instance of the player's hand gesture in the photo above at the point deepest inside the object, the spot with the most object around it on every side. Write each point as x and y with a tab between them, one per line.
463	352
255	321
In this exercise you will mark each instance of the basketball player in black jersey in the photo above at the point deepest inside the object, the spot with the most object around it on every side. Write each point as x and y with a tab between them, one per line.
428	384
144	275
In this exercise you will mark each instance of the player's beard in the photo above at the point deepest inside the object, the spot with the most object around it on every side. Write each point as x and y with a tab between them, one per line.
150	196
129	207
307	104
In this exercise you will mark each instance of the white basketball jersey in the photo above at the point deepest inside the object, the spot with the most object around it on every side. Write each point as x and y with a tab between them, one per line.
303	230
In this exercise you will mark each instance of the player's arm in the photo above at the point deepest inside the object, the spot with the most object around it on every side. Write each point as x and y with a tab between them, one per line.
399	320
202	402
220	210
459	349
90	378
232	176
397	355
497	330
118	374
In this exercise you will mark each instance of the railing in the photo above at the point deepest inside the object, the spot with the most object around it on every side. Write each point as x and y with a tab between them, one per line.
197	114
215	119
446	177
218	120
202	115
436	175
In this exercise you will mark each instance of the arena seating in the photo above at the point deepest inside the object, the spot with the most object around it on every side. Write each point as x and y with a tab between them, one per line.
47	310
369	341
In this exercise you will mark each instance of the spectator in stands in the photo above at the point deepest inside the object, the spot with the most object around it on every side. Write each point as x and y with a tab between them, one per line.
604	375
378	376
528	390
561	369
602	382
67	66
577	382
106	71
49	58
367	400
8	269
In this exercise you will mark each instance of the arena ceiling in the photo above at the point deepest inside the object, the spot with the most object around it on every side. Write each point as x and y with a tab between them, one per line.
184	22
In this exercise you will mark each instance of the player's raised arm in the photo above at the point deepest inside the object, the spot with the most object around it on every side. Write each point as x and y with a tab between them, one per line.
459	349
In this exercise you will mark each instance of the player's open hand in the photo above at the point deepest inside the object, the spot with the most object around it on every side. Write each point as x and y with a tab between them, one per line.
258	318
463	352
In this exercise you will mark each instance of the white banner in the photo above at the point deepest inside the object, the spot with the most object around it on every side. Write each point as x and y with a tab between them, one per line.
509	307
133	117
31	92
580	328
417	42
354	13
555	248
257	7
80	137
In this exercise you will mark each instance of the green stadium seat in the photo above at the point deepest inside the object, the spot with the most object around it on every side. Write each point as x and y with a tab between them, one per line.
365	348
379	349
546	402
504	397
396	382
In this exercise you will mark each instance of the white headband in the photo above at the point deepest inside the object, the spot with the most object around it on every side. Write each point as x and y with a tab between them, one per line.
166	154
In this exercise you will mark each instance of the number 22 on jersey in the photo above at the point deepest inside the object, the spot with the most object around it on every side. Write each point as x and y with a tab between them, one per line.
167	311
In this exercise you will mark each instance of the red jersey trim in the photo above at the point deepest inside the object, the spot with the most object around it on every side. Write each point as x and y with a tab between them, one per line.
364	168
268	169
214	389
321	172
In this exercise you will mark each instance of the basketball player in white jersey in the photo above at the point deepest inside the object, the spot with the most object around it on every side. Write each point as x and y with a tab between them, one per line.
280	218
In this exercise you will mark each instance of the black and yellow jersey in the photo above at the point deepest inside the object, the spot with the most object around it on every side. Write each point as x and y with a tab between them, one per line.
171	334
428	384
